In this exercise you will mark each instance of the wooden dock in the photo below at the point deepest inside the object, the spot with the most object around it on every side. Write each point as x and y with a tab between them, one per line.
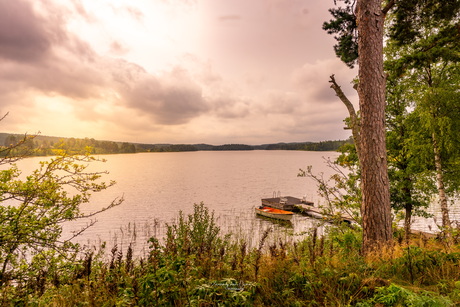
288	203
301	206
319	214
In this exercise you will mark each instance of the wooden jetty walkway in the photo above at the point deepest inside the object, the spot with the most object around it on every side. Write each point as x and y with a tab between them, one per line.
301	206
288	203
305	207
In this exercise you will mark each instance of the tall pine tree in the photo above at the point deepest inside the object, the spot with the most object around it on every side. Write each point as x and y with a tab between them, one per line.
359	25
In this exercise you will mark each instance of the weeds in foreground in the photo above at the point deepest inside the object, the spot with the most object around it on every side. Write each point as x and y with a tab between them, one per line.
197	266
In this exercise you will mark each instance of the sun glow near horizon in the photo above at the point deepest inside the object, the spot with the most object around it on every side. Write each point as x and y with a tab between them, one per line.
208	71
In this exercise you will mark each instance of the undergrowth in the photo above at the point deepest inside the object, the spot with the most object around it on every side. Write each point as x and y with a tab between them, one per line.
195	265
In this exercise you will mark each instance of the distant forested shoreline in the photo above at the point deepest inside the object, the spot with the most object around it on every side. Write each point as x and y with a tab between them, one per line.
39	145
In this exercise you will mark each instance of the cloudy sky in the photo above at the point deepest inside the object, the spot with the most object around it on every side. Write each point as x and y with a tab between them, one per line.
171	71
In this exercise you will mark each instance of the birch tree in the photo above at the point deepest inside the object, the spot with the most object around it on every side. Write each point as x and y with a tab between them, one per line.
424	38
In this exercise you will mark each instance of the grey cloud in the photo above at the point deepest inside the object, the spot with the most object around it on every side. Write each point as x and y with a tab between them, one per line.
313	81
168	105
23	35
39	54
44	57
227	108
125	73
58	78
223	100
316	124
319	92
69	79
74	74
52	63
282	103
171	99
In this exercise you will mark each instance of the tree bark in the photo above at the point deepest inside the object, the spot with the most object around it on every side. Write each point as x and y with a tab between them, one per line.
375	208
440	183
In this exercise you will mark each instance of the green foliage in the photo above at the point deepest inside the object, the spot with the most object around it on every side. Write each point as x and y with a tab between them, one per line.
197	234
344	26
422	56
394	295
45	146
426	267
171	148
408	26
342	190
32	212
437	114
410	191
187	268
413	17
127	148
181	271
233	147
327	145
16	147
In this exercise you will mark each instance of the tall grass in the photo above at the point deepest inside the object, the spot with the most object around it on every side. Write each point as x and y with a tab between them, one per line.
196	264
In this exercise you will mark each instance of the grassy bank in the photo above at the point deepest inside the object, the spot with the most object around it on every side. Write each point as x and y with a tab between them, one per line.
195	265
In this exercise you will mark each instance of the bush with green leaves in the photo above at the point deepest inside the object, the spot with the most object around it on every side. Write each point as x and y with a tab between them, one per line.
394	295
33	208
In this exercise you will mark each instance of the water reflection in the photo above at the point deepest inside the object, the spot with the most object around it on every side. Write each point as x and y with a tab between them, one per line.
156	186
281	223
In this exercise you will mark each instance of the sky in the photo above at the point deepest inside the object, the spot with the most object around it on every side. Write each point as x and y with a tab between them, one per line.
171	71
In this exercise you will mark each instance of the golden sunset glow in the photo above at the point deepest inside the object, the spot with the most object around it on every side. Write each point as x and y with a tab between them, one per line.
203	71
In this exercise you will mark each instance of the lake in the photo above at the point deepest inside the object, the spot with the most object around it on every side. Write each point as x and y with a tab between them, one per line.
156	186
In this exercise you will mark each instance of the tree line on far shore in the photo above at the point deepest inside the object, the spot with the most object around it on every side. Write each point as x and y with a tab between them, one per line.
45	145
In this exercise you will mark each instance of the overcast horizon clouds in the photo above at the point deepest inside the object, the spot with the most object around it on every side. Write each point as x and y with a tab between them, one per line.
171	71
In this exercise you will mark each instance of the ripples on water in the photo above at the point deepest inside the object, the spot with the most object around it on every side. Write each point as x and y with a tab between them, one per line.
156	186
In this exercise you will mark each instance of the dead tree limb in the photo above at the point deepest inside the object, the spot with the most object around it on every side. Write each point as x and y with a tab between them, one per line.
354	119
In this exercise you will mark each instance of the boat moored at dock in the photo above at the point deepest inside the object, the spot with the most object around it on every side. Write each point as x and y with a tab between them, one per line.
304	207
274	213
287	203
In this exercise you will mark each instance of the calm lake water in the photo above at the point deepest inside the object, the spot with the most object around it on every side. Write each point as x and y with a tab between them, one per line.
156	186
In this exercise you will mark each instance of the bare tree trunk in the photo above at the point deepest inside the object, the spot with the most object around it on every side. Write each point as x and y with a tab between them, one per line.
440	183
354	119
375	209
